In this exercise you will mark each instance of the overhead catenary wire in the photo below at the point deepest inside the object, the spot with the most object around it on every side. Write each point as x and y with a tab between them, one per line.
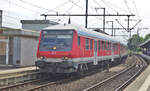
11	23
108	6
68	1
25	7
115	6
125	1
136	10
37	6
15	18
72	6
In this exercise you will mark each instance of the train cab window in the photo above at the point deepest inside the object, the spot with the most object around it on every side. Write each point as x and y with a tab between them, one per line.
91	44
99	45
78	40
87	44
56	40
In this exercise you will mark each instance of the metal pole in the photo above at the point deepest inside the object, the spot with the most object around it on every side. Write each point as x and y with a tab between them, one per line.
112	27
114	32
1	15
45	16
129	25
7	51
104	21
103	18
86	14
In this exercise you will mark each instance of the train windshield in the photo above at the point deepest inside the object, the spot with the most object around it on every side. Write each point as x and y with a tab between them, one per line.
56	40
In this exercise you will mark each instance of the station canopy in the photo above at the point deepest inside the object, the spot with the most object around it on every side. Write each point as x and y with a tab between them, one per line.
18	32
145	44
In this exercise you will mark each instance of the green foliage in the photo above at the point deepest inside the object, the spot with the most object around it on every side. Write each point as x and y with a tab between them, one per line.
134	42
147	37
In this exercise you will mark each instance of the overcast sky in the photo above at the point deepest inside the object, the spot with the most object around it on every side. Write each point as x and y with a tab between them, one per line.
16	10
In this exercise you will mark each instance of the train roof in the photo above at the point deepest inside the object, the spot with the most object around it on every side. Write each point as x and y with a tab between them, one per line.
84	32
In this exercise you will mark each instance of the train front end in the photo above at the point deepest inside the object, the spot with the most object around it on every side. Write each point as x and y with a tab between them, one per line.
55	51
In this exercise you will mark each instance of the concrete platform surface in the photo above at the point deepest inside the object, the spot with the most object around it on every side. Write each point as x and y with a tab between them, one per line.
142	82
5	69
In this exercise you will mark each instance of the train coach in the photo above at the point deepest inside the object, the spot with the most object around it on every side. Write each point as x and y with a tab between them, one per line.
69	49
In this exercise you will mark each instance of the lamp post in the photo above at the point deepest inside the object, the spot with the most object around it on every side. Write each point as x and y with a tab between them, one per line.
112	24
103	18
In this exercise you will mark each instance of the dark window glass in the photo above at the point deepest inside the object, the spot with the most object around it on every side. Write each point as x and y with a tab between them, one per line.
99	45
103	45
79	40
87	43
91	44
114	45
109	45
56	40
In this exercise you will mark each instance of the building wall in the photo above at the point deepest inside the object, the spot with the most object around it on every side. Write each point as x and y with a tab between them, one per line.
17	51
2	50
3	46
28	51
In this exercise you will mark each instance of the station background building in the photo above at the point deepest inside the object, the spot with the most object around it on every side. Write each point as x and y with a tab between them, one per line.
145	47
18	46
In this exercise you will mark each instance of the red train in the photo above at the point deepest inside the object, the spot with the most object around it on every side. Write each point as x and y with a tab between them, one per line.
68	49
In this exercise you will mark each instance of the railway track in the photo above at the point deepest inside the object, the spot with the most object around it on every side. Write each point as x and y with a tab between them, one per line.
43	84
119	81
34	85
19	85
39	85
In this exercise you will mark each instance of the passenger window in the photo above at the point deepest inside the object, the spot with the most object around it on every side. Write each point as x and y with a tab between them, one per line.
108	46
99	45
78	40
105	45
91	44
87	43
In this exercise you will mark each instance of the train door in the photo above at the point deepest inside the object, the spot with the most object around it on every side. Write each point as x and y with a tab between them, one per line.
112	52
95	62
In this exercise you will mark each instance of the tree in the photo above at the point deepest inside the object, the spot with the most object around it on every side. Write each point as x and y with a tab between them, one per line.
134	42
147	37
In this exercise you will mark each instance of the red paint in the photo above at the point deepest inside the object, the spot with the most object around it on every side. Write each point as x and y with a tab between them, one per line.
80	51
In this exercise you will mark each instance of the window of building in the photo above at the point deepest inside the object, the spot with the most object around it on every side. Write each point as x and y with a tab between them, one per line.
91	44
79	40
87	43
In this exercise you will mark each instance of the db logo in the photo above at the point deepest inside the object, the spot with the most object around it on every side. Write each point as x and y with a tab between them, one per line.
53	52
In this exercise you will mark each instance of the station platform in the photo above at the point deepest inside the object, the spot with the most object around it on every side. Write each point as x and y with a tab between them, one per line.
142	82
6	69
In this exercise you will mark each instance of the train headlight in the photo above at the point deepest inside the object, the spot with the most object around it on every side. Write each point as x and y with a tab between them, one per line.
54	48
42	58
65	58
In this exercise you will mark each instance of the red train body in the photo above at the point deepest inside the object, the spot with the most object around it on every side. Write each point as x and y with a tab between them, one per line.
67	49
